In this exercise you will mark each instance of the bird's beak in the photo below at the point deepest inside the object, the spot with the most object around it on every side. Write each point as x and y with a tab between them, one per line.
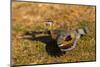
24	36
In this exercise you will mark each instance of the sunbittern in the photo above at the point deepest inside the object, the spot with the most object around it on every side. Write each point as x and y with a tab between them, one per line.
66	40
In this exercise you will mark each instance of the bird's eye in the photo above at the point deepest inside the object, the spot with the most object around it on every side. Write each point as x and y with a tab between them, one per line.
28	33
68	38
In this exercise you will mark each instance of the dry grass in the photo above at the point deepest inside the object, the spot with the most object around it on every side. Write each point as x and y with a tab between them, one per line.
31	16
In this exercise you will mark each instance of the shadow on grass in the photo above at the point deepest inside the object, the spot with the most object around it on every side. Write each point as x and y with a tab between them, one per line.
51	44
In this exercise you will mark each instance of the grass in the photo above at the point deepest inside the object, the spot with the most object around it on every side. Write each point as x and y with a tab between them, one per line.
28	16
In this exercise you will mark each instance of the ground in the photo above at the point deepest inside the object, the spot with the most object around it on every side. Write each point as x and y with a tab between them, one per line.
28	16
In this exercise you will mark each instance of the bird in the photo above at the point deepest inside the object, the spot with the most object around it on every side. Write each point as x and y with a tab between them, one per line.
65	40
